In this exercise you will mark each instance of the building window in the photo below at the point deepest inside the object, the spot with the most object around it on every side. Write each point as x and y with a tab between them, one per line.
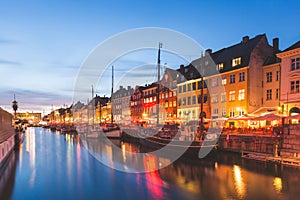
295	63
189	86
220	66
277	93
241	94
277	75
295	86
170	94
224	81
214	82
241	111
184	101
231	95
215	111
232	78
223	96
166	95
269	77
189	101
242	76
204	98
231	112
179	102
174	103
214	98
236	61
180	89
194	100
194	85
223	112
184	88
269	94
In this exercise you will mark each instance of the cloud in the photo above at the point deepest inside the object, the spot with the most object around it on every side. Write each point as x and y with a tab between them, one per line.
9	62
33	100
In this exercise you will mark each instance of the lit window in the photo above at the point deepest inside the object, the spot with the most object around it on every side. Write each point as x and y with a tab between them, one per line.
223	112
223	96
236	61
295	63
214	98
231	95
224	81
241	94
269	77
269	94
174	103
220	66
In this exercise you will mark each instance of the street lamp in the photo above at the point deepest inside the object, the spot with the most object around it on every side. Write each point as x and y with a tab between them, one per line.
15	106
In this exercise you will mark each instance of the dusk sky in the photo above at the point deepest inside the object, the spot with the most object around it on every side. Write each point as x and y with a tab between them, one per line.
44	43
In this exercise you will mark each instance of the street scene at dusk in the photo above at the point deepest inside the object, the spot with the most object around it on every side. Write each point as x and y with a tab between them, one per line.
149	99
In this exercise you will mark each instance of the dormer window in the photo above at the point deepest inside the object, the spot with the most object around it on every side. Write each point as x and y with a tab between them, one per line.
220	66
236	61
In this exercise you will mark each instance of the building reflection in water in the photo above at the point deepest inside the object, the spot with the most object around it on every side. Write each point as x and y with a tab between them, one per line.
239	183
277	182
31	149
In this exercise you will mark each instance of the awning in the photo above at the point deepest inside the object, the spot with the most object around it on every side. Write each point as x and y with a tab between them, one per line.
268	117
265	110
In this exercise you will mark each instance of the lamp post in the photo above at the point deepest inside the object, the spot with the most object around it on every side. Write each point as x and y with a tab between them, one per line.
15	106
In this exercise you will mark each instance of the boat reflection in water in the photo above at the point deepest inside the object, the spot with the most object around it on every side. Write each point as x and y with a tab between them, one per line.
226	176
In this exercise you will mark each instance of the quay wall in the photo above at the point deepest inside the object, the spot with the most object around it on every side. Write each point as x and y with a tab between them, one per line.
265	144
291	141
7	135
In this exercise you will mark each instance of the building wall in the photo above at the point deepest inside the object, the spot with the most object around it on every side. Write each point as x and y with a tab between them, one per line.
272	85
289	99
255	74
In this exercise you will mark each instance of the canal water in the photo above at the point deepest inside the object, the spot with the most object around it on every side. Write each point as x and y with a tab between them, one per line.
50	165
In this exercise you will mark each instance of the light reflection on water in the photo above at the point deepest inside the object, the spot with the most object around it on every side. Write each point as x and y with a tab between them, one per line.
63	169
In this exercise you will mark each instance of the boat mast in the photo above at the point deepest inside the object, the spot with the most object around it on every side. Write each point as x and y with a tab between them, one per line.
158	82
112	91
201	98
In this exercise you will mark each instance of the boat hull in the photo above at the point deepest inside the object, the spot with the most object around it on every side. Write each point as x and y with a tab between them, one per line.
176	147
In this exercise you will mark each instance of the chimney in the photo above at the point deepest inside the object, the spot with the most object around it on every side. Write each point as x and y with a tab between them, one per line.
275	45
128	87
181	68
208	51
245	39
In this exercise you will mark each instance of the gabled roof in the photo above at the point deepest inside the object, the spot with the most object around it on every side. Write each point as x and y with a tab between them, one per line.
294	46
225	56
272	60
